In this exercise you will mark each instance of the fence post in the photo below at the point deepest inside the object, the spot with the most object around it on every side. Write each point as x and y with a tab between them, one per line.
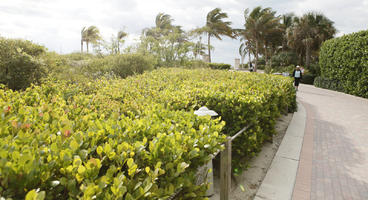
225	171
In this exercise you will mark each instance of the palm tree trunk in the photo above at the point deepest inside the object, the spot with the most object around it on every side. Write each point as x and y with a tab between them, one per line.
256	57
307	56
118	47
300	59
87	46
81	46
209	48
249	60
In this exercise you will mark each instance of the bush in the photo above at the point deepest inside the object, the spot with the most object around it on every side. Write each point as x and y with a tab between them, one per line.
20	63
220	66
244	66
345	59
327	83
77	56
308	79
133	138
129	64
280	69
195	64
122	65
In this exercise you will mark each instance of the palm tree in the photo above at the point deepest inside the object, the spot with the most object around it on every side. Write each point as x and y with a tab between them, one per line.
163	26
215	26
243	50
163	21
308	33
121	35
83	33
91	35
258	24
287	21
273	42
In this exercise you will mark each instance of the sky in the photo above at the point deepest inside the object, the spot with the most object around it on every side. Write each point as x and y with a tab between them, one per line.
56	24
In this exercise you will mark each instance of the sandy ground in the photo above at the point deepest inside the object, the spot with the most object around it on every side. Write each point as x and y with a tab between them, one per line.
245	186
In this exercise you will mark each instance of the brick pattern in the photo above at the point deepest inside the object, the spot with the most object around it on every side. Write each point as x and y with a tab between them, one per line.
302	188
334	157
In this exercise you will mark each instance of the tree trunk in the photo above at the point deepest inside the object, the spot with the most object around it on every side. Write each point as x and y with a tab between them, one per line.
256	57
81	46
307	56
249	60
300	59
118	47
87	46
209	48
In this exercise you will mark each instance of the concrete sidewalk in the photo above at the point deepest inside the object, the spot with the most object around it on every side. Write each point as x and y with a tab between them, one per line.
280	178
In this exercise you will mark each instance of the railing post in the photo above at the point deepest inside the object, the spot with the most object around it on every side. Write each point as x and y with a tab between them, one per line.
225	171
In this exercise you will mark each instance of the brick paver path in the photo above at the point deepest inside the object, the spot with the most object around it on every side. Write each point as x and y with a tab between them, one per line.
334	158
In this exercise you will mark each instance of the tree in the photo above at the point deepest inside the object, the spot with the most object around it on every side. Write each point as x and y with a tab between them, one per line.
163	21
167	42
83	35
120	36
243	50
198	48
308	32
216	27
258	24
287	21
90	35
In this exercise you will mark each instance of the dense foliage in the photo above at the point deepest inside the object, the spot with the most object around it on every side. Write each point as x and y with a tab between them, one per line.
131	139
327	83
219	66
121	65
345	59
20	63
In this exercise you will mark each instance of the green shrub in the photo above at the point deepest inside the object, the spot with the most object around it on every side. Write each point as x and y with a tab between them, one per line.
261	67
308	79
195	64
345	59
244	66
219	66
327	83
314	69
129	64
20	63
122	65
77	56
133	138
280	69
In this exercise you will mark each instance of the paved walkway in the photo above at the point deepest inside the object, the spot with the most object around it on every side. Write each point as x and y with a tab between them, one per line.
334	158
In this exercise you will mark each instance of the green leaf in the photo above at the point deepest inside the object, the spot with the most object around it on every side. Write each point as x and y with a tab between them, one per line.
99	150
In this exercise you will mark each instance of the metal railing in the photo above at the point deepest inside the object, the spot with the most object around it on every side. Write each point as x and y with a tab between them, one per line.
225	166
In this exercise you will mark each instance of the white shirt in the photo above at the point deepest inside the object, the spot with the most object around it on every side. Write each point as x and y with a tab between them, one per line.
297	74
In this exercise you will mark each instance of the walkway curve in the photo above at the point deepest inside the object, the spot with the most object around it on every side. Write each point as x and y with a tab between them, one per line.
334	157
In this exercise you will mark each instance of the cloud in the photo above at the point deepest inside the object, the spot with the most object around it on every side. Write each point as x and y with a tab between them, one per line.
57	23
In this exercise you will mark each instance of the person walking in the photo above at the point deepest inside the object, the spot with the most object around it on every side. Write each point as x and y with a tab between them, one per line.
297	74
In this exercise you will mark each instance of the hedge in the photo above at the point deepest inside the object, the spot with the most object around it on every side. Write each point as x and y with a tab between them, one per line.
345	59
136	138
328	84
20	63
219	66
121	65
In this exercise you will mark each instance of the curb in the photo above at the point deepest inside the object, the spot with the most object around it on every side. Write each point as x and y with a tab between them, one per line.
280	178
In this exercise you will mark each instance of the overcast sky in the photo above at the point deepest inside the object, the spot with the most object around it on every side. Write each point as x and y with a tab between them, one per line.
56	24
